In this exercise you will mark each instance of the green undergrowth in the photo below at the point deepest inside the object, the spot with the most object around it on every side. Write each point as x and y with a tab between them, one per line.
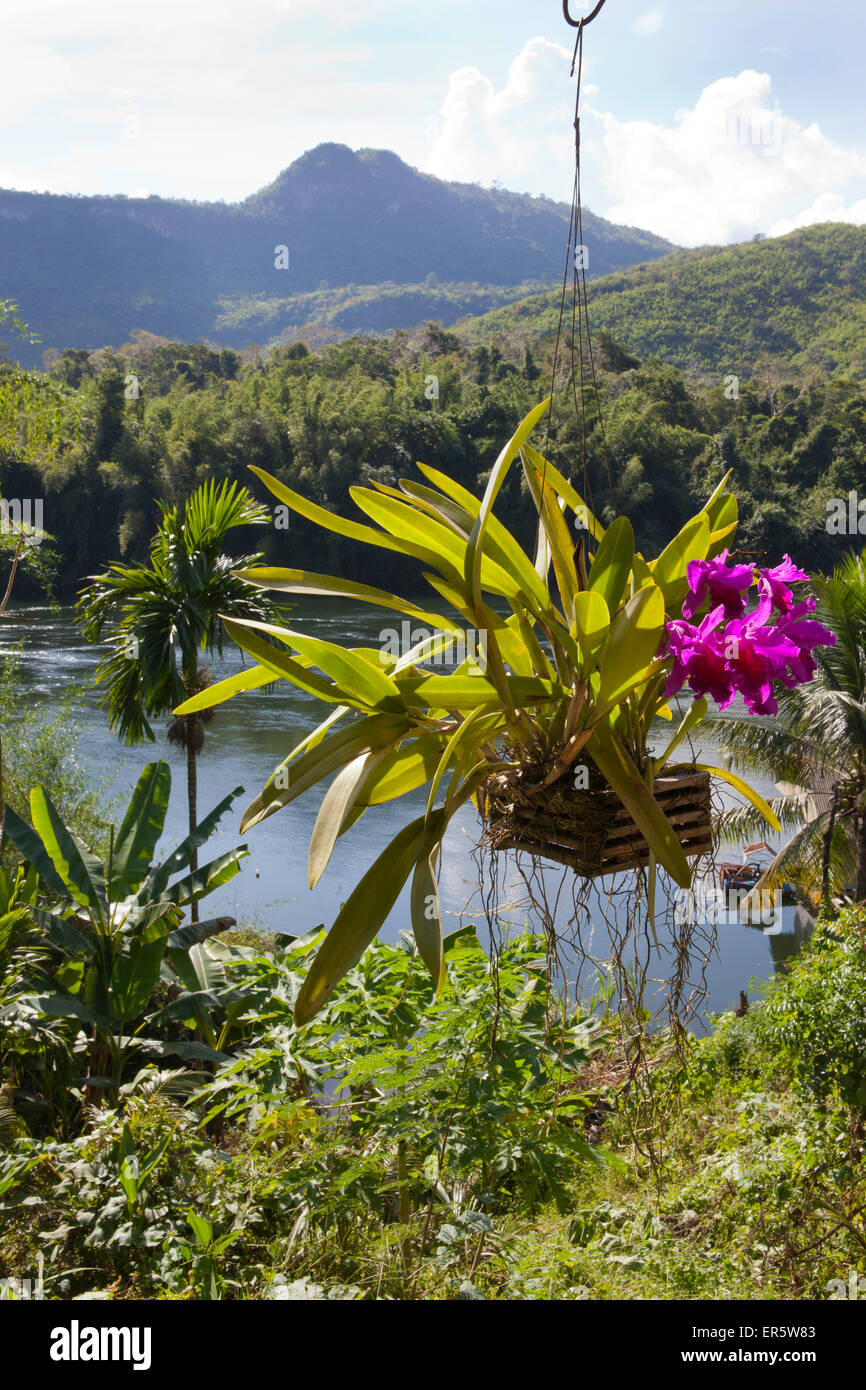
482	1145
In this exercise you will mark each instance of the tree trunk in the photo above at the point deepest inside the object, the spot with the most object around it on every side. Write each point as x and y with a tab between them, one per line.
860	892
825	858
192	798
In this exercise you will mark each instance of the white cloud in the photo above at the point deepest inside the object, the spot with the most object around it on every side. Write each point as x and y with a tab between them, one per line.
827	207
649	23
481	133
729	167
219	96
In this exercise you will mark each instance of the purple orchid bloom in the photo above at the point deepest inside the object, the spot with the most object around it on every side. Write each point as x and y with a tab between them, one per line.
775	583
756	655
698	659
752	652
724	585
805	634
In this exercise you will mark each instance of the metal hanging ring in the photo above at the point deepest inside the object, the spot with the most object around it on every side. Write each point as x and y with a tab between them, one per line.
580	23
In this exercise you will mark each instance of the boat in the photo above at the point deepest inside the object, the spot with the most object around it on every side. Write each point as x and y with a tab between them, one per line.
743	876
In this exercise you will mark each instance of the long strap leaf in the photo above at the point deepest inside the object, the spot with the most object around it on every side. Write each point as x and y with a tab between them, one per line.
77	866
156	881
290	581
368	685
474	550
318	762
745	790
623	776
363	914
140	829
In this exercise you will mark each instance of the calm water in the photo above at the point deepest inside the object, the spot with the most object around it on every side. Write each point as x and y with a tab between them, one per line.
251	735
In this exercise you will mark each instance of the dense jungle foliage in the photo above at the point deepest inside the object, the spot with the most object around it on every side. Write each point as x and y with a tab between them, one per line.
150	422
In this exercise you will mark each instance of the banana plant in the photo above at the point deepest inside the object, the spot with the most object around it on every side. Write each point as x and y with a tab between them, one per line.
575	664
116	923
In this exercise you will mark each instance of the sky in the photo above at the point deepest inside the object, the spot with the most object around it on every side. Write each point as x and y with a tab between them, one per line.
705	121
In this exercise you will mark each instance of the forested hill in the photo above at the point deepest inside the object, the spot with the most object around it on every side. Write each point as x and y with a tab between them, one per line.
800	298
386	246
366	410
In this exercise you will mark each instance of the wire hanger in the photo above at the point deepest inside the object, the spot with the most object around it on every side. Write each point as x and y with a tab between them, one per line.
580	23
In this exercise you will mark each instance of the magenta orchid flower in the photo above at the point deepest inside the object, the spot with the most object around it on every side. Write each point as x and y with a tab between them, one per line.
723	584
805	634
750	653
775	583
756	655
698	659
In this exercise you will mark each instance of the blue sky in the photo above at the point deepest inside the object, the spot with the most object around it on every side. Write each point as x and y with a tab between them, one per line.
702	121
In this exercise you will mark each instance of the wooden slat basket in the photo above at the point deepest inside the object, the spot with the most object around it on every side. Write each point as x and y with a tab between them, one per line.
590	830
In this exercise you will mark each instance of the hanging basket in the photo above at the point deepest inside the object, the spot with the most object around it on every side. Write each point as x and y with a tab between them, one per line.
589	829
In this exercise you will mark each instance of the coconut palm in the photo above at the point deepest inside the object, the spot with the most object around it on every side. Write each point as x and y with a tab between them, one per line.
157	618
815	751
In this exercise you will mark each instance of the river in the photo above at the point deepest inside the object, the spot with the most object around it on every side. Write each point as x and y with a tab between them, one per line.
252	734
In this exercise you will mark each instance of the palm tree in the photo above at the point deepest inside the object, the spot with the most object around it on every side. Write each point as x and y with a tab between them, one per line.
815	751
163	614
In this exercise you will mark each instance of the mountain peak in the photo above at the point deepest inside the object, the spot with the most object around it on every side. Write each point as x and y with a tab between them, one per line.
345	218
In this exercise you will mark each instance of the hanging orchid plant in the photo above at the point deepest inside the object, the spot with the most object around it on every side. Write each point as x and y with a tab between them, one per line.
583	660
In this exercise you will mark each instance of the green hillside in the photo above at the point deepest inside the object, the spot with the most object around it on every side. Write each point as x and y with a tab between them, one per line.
326	316
718	310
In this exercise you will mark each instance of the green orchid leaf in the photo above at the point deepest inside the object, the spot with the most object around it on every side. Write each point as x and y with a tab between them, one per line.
364	912
328	520
745	790
567	492
669	570
616	765
338	799
426	912
690	720
474	550
592	625
635	637
332	752
608	575
291	581
368	684
402	769
252	679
